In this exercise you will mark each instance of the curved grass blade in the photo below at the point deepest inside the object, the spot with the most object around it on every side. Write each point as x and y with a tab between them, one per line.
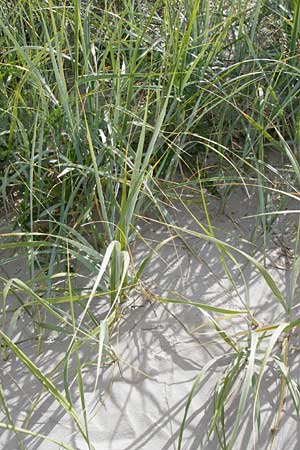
268	278
4	426
46	382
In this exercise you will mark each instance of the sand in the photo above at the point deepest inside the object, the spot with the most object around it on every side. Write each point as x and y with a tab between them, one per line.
160	348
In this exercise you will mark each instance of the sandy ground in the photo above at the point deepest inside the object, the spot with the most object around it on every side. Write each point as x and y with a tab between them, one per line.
160	349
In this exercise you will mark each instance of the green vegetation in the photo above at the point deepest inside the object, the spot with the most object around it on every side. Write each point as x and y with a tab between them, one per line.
107	109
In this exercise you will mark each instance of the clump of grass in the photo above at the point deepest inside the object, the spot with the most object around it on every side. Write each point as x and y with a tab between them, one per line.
102	103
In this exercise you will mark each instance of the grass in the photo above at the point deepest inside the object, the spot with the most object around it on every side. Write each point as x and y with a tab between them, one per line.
103	106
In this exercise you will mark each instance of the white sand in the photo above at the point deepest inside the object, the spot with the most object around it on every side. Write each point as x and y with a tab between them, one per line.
140	400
